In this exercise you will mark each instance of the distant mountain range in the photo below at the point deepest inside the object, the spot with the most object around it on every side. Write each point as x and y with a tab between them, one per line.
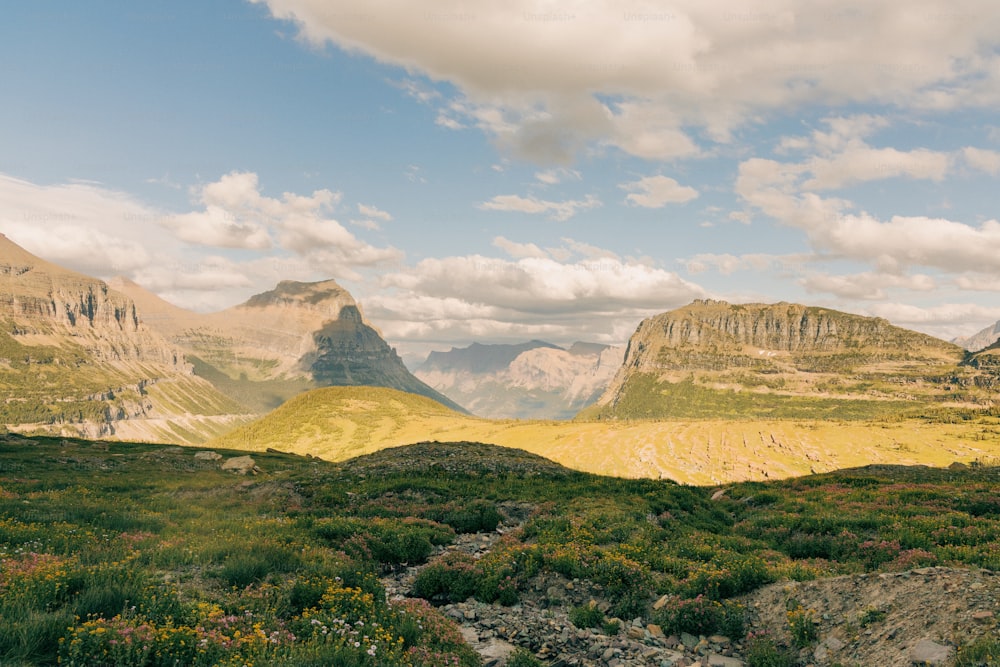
713	359
980	340
533	380
81	357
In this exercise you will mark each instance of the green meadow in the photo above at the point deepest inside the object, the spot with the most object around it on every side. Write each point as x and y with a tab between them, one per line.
138	554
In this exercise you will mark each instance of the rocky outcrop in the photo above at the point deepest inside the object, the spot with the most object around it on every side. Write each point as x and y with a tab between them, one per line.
296	337
77	358
533	380
783	360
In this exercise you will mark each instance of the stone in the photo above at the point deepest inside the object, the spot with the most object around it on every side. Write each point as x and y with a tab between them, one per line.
654	630
715	660
636	633
719	495
927	652
670	658
982	616
659	603
689	640
241	465
208	456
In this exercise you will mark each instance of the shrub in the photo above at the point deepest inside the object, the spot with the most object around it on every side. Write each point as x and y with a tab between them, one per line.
727	575
701	616
522	657
586	616
452	578
802	626
762	651
477	516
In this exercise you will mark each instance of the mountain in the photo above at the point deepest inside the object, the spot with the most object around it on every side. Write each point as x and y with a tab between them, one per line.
280	343
712	359
980	340
75	359
533	380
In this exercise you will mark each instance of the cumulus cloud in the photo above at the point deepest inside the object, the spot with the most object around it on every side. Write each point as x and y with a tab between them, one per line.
657	192
588	296
556	210
727	264
946	321
237	215
519	250
867	285
547	82
981	159
83	226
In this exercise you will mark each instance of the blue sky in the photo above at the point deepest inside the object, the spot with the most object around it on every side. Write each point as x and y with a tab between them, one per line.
499	174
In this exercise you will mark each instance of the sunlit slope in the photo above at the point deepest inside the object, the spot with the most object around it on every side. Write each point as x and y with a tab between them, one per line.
337	423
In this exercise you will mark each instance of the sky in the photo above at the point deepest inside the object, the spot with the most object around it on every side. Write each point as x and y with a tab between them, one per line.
498	172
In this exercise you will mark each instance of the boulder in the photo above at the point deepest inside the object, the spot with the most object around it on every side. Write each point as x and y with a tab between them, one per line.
241	465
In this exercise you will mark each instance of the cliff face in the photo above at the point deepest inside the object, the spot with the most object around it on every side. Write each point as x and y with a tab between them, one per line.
279	343
783	360
75	358
534	380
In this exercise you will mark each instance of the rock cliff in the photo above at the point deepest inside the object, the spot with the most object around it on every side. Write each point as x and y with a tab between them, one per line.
712	358
279	343
75	358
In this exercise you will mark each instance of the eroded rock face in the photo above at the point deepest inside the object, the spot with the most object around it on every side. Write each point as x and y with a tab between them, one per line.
295	337
774	351
81	360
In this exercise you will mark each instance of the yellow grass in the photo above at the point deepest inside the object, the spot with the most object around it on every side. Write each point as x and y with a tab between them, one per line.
333	425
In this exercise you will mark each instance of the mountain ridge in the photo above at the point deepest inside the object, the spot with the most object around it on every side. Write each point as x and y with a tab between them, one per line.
531	380
712	358
78	360
294	337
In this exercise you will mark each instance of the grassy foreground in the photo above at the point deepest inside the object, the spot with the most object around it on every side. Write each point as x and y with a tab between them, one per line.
125	554
338	423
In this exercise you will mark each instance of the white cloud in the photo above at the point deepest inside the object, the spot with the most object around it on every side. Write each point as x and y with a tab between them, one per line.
946	321
519	250
657	192
858	162
557	175
557	210
727	264
595	296
978	282
982	159
710	65
374	212
866	285
237	215
83	226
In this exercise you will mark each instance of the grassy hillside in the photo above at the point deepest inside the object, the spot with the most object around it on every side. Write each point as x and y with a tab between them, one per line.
340	422
712	359
115	553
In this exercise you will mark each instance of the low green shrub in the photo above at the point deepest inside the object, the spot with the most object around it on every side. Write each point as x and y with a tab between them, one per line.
452	578
586	616
762	651
701	616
